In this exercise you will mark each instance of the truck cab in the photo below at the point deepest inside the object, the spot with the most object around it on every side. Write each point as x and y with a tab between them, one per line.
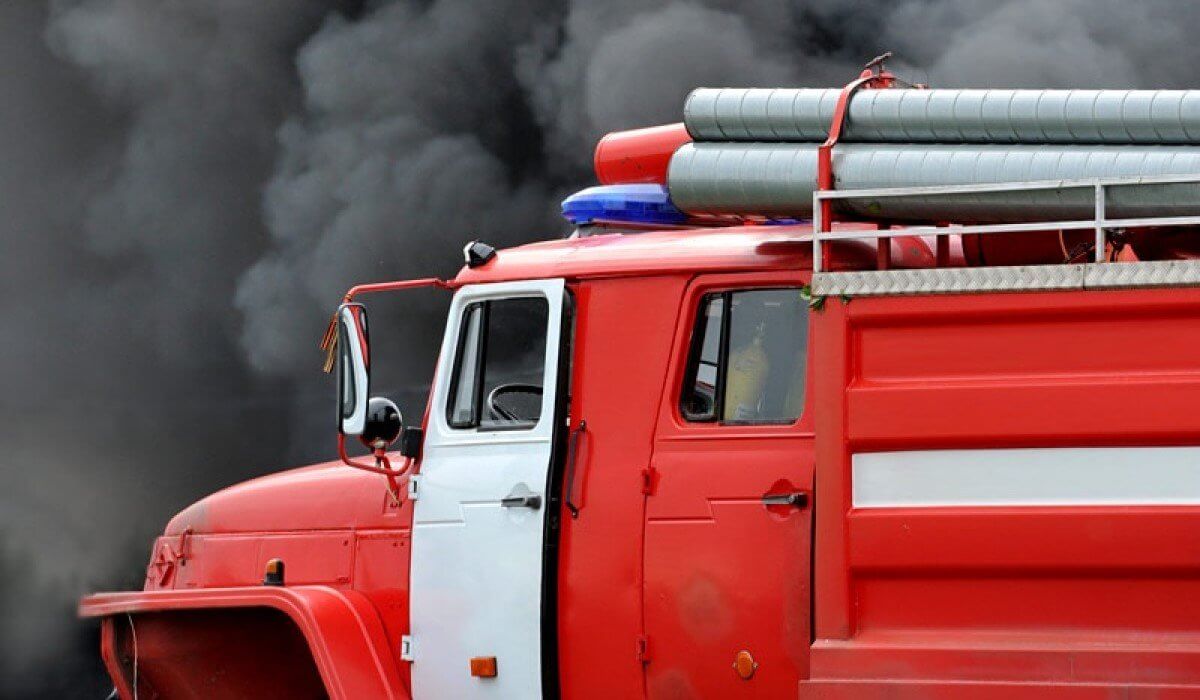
601	406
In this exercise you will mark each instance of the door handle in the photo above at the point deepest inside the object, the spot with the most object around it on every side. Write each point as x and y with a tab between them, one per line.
531	501
572	456
797	499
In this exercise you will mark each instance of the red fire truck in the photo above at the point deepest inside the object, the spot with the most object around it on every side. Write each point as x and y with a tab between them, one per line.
873	392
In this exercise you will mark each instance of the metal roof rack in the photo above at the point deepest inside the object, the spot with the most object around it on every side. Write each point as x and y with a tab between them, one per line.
1065	276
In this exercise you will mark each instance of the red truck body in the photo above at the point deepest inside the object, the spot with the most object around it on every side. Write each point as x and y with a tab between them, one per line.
674	549
963	482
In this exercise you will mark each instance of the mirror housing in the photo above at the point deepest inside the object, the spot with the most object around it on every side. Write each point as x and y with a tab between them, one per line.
410	442
353	368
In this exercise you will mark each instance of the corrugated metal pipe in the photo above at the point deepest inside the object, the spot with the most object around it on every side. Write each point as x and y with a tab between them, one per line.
778	179
756	151
948	116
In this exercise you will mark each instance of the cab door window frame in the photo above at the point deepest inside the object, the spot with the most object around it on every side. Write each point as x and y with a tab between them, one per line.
470	369
725	286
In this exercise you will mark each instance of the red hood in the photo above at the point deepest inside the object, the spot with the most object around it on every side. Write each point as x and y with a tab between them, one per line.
330	524
328	496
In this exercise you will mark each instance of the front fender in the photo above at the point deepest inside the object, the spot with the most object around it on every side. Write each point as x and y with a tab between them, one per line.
342	629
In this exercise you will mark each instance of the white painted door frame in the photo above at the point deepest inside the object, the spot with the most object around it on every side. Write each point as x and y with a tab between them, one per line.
476	571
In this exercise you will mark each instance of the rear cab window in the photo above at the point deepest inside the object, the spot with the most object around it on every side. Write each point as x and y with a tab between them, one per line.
747	358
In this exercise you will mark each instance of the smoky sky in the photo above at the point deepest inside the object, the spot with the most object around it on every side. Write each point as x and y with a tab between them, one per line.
187	187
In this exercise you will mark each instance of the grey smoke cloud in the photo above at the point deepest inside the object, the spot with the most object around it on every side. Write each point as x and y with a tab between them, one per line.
134	140
1046	43
395	160
186	188
186	208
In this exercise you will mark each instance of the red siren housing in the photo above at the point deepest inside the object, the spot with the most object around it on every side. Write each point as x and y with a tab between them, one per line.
638	155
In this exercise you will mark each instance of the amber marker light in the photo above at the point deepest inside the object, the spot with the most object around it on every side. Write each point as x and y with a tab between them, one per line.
745	665
483	666
274	573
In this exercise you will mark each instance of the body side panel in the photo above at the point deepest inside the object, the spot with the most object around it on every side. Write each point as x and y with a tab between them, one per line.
1044	580
623	337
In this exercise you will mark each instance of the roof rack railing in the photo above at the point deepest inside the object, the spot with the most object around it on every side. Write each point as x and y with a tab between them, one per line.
1100	223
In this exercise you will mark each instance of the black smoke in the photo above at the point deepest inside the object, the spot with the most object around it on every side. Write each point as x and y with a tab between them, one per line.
186	188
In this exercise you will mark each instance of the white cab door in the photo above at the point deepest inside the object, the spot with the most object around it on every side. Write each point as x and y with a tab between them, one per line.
480	509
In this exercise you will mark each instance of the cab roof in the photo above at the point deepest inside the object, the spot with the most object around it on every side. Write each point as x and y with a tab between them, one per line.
727	249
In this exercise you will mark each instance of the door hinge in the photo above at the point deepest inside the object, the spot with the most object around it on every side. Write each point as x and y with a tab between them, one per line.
412	487
643	649
406	648
649	480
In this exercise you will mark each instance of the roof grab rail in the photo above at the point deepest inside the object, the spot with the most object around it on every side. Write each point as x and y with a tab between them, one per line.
1100	223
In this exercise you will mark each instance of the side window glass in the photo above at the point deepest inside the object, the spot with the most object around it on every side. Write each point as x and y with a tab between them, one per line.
463	411
747	361
514	363
700	387
499	365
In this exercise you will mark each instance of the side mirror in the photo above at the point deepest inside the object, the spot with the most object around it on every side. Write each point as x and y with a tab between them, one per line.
353	368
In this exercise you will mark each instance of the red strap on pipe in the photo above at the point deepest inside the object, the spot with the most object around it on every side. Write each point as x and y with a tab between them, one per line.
869	79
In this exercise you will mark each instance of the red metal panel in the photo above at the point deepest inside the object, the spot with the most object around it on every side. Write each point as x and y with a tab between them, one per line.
342	628
381	567
980	603
992	346
311	558
623	337
725	573
958	690
1123	410
381	560
1142	539
329	524
684	252
218	561
327	496
940	599
1006	370
830	338
1049	657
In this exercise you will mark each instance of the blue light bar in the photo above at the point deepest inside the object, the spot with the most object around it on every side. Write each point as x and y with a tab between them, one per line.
649	204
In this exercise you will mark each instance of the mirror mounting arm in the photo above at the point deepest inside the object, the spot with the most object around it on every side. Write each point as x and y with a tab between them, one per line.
393	286
328	340
380	459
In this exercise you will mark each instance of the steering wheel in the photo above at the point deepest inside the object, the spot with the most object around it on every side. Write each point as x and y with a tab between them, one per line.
504	403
